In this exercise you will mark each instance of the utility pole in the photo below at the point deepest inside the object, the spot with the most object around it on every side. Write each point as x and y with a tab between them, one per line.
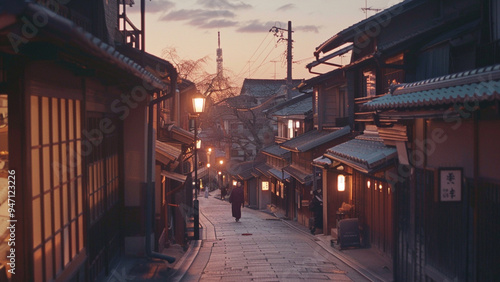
289	62
289	57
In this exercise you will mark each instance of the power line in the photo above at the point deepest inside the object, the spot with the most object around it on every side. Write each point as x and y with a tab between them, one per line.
251	57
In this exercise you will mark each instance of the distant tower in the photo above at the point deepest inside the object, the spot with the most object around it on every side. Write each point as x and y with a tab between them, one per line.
219	59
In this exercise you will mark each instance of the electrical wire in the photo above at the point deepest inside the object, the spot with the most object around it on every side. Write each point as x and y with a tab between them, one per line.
251	57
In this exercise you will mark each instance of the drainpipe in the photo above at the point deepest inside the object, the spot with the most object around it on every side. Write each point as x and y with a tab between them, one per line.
150	184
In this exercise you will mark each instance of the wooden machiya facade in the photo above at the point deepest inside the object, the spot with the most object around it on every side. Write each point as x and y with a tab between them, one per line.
424	86
70	108
276	159
304	149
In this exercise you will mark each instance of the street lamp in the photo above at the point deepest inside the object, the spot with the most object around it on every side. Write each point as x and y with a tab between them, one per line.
208	182
220	178
198	107
209	160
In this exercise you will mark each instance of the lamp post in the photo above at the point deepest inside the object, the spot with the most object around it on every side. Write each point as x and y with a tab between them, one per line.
209	152
221	183
208	182
198	107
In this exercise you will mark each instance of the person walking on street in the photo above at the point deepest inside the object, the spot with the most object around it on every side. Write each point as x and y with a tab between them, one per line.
237	201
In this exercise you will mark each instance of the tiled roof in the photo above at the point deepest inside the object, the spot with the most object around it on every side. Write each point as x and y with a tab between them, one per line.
470	86
166	152
244	170
313	138
322	161
265	87
279	174
302	107
363	154
264	169
275	150
299	174
74	36
179	134
174	175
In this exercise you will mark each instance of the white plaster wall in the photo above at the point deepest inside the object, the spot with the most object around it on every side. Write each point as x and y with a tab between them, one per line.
135	153
450	144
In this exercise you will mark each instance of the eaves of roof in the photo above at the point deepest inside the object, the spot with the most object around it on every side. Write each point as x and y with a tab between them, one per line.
264	169
181	135
348	34
476	85
281	175
365	155
336	74
313	139
276	151
299	174
62	30
174	175
167	152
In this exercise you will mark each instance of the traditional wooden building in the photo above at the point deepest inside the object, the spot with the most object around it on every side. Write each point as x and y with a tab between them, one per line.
74	130
429	67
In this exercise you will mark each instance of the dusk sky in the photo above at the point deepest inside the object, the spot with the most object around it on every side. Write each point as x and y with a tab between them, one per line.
249	49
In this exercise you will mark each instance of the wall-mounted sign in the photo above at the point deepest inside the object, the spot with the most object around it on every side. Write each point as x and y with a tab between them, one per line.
450	184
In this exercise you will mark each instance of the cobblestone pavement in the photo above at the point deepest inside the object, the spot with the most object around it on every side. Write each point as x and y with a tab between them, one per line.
259	248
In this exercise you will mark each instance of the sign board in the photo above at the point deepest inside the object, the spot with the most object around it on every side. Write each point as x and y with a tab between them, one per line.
349	233
450	184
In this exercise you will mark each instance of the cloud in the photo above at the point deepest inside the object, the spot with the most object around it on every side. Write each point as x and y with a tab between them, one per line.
257	26
286	7
196	15
224	4
307	28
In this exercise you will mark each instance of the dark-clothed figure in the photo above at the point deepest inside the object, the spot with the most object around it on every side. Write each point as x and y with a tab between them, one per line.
223	192
316	206
237	201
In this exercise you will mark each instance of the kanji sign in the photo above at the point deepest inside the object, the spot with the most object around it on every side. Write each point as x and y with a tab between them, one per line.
450	184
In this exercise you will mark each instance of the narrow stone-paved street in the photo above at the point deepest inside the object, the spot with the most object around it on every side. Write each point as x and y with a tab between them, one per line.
259	248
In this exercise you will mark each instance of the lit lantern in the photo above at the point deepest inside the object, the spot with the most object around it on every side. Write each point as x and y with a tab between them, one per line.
368	184
198	104
341	183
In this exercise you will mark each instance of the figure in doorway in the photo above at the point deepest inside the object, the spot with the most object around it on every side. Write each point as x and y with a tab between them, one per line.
223	192
237	201
316	206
